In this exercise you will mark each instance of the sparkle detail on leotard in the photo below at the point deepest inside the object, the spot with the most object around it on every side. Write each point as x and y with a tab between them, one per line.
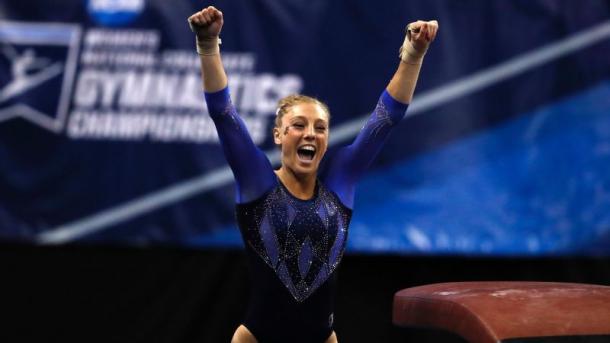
231	112
301	240
381	119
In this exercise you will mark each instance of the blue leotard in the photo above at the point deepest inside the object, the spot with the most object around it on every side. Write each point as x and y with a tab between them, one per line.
293	245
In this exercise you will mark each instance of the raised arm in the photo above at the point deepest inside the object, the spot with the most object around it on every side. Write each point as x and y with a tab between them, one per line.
207	24
352	161
251	168
418	37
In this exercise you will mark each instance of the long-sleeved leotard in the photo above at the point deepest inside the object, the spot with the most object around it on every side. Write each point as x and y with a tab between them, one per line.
294	245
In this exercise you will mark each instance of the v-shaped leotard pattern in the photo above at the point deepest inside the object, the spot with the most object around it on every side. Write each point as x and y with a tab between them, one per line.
301	240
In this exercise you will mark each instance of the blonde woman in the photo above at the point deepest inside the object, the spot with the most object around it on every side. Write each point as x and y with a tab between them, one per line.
293	223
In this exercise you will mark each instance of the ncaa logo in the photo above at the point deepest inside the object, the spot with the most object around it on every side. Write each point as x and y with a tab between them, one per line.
115	12
37	66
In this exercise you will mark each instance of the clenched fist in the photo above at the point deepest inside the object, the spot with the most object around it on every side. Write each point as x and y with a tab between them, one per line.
419	36
206	23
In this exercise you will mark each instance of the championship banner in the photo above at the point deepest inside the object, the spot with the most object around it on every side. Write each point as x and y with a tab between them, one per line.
105	137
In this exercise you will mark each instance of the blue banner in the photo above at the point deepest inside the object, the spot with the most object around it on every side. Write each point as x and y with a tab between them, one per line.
105	137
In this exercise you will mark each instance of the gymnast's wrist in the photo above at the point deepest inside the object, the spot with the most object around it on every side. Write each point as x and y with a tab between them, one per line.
412	59
409	55
208	46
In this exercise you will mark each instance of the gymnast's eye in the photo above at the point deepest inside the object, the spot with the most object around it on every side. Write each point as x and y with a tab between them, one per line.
321	129
298	126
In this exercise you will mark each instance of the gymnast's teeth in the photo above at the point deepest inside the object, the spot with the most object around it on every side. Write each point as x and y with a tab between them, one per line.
306	152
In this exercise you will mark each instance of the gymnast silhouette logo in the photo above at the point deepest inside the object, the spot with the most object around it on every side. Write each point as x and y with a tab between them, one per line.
27	71
37	68
21	96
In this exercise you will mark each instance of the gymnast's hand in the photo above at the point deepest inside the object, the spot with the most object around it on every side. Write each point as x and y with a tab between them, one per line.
419	36
206	23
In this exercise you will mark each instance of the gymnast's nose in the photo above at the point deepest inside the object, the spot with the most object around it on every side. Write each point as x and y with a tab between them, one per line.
310	132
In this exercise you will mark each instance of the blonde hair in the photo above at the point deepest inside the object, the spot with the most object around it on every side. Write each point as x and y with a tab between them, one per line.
287	102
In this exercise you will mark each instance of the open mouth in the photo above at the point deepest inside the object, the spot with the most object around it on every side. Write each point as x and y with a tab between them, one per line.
306	152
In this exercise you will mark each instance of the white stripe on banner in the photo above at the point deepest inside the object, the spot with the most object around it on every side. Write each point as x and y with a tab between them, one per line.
425	101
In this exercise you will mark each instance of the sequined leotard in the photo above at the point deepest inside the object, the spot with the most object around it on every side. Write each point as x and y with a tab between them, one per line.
293	245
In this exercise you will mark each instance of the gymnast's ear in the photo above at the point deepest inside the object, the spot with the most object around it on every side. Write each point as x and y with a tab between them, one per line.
276	136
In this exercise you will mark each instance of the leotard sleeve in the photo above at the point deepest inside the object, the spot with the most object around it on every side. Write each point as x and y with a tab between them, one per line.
351	162
252	170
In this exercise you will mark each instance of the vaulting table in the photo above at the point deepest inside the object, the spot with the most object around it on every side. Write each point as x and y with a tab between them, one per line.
486	312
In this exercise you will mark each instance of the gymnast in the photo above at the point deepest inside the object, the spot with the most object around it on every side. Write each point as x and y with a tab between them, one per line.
294	224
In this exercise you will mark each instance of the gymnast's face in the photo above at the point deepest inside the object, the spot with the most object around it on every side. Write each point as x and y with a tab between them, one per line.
302	137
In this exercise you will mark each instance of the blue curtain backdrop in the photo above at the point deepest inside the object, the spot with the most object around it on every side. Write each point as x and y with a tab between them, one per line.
104	135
